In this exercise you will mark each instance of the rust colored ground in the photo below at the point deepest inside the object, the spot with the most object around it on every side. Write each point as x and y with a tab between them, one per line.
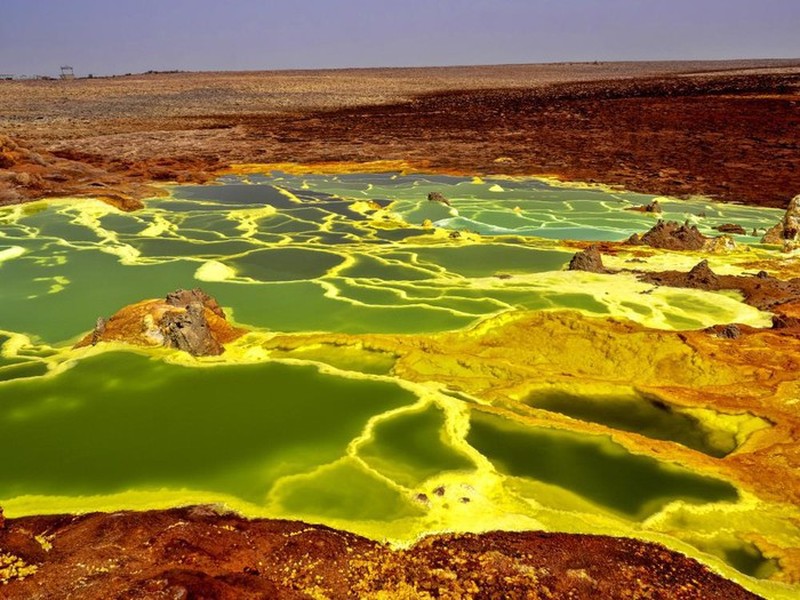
726	130
198	553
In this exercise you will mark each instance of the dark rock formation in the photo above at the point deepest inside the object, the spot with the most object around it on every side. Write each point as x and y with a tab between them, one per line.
99	329
701	276
438	197
787	232
189	331
588	260
669	235
728	332
199	552
731	228
781	321
653	207
185	298
189	320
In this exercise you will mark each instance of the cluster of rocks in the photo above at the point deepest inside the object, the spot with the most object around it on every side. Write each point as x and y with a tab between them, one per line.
189	320
760	290
670	235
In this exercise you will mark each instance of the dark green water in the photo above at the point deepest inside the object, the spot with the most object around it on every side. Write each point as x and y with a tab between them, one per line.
641	414
591	466
410	448
121	421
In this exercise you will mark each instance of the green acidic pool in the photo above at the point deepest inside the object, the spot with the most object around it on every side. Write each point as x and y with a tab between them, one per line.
591	466
121	420
325	432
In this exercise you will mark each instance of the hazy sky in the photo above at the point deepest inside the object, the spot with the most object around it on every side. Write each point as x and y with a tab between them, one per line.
119	36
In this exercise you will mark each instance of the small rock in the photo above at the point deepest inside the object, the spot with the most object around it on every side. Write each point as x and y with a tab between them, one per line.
438	197
22	178
588	260
702	276
653	207
99	329
780	321
730	332
721	244
731	228
189	320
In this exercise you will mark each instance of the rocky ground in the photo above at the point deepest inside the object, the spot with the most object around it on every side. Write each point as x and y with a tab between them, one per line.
725	130
200	553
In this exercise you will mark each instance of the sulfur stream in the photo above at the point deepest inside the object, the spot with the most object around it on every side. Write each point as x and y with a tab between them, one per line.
335	407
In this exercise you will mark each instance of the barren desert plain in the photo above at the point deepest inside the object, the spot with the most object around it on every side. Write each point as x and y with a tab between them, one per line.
521	331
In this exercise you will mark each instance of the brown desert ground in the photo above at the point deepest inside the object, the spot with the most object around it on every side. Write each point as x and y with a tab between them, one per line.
726	130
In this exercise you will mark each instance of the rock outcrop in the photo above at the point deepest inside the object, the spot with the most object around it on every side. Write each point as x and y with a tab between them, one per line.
720	245
731	228
670	235
28	174
787	232
588	260
438	197
701	276
189	320
726	332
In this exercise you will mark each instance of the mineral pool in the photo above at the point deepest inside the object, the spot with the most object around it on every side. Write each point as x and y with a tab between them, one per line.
323	426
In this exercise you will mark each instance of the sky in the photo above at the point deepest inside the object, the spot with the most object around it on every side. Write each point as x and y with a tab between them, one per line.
104	37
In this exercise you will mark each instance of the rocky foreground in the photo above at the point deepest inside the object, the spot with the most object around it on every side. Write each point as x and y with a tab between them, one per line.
200	553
